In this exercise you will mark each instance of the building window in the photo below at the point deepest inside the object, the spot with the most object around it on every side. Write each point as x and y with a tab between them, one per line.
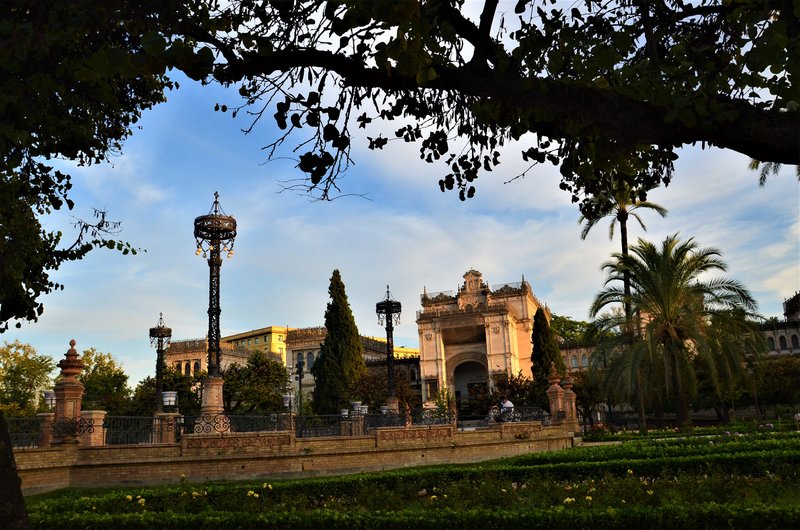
197	367
187	368
249	341
256	340
795	342
574	362
280	350
782	340
266	339
178	368
771	343
433	389
309	360
585	361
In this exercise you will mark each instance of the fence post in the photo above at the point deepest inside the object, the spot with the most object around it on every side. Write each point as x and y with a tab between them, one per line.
164	427
45	424
570	398
69	391
556	396
94	434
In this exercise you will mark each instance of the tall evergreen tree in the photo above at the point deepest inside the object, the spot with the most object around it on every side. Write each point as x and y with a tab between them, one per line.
341	360
544	352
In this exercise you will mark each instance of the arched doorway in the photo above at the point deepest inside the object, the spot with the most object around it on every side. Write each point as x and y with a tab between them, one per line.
470	383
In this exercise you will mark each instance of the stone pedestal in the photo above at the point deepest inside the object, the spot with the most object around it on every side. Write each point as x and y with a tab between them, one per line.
555	394
164	428
394	405
570	408
212	396
45	424
94	431
67	425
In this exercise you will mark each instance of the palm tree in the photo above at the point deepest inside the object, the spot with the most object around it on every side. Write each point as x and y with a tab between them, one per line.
679	315
621	206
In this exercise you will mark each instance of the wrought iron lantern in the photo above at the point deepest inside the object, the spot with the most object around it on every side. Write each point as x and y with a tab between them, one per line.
170	398
215	233
50	399
388	311
160	337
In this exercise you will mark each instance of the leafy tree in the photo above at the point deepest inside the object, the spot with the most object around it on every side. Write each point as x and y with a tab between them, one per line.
621	204
678	314
371	388
24	375
589	392
545	353
75	78
105	383
780	376
341	361
143	402
570	331
608	89
258	386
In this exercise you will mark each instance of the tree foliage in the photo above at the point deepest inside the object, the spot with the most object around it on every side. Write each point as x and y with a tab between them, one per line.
607	88
143	401
341	360
570	331
105	383
544	353
75	78
371	388
682	318
24	375
258	386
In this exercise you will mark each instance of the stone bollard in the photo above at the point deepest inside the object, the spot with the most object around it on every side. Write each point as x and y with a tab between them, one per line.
94	430
556	396
45	428
165	426
570	408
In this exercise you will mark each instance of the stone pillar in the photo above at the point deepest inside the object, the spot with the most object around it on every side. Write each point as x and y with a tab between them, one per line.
393	404
570	408
67	424
556	396
45	426
165	426
212	396
94	429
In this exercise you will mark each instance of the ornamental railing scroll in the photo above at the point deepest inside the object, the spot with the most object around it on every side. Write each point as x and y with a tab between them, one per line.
519	414
64	427
433	416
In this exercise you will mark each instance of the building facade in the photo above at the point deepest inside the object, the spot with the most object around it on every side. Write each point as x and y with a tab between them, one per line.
467	336
783	337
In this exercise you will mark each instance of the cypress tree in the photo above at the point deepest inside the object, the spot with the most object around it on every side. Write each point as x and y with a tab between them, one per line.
545	351
341	360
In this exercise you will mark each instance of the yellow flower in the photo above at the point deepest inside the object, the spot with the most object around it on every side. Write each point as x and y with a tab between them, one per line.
569	500
649	492
255	495
630	472
251	493
141	502
433	497
267	486
128	498
588	498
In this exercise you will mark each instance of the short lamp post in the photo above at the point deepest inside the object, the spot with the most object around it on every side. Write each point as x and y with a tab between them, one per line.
50	399
388	311
214	234
160	337
299	367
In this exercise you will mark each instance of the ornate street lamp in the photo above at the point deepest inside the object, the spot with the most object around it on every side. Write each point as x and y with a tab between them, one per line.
214	233
160	337
300	365
388	311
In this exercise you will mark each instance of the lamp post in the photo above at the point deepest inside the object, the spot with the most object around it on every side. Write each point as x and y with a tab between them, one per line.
388	311
214	233
160	337
299	366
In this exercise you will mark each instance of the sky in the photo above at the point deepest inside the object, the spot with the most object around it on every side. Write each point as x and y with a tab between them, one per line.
392	226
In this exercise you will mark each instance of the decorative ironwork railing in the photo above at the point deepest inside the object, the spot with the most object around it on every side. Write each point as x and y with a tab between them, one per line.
72	427
24	432
125	430
517	414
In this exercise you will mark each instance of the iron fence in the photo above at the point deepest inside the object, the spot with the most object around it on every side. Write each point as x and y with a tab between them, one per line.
24	432
127	430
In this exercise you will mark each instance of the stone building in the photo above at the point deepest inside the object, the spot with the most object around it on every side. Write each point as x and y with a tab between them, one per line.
467	336
284	344
783	336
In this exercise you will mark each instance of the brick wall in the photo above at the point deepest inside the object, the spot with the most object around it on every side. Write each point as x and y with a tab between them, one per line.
275	454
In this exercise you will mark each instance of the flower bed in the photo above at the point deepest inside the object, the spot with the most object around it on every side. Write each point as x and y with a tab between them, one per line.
714	482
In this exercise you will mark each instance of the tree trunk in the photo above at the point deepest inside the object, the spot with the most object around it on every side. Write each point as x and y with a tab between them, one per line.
12	505
640	395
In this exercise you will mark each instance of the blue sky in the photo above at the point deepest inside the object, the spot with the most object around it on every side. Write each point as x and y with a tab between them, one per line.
403	232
